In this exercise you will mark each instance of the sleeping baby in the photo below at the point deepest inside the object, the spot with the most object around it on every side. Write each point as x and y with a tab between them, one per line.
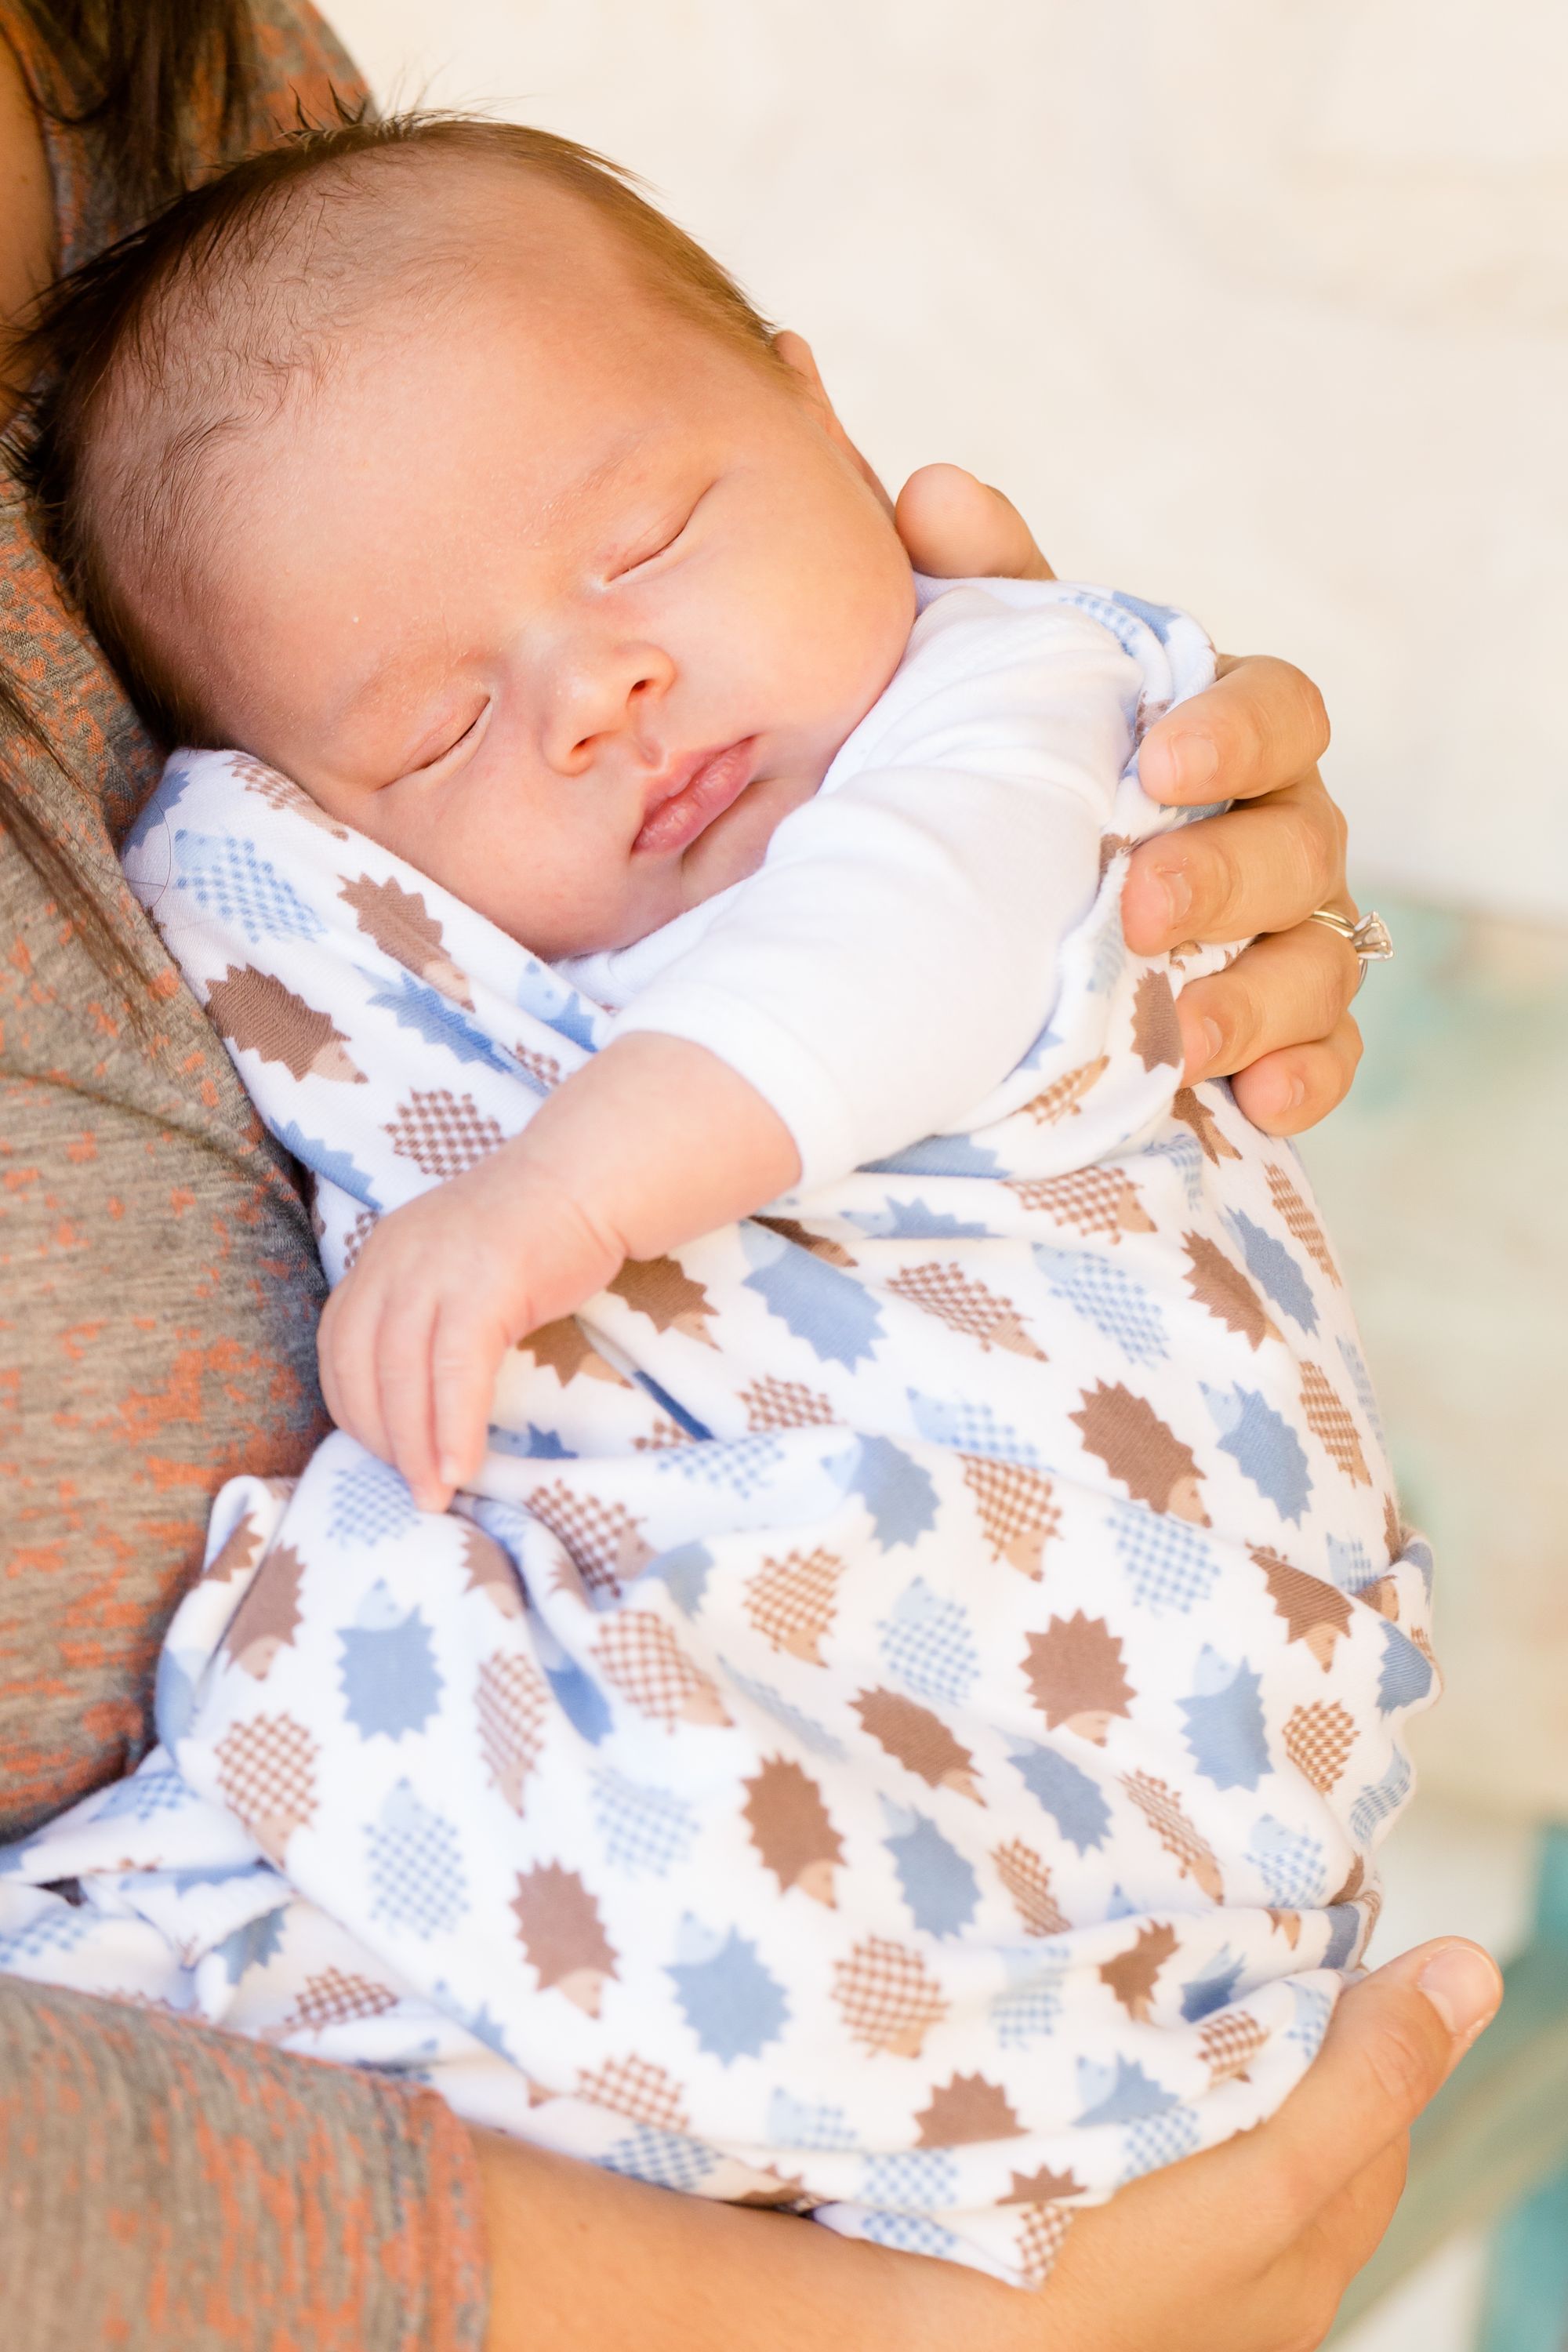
850	1648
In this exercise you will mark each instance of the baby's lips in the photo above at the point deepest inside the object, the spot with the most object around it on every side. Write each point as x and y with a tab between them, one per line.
715	784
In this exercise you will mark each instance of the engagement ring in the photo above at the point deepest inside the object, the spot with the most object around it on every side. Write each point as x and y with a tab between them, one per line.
1368	936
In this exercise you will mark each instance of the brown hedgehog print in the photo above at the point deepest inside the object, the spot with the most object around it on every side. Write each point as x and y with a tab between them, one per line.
279	792
771	2192
511	1708
1075	1678
1156	1032
965	2109
1112	847
659	1288
965	1305
403	928
257	1015
792	1601
1192	1852
822	1246
1027	1880
887	1996
792	1831
1042	2187
774	1403
336	1996
635	2086
1329	1420
1301	1223
1194	1112
641	1656
1041	2231
1132	1975
565	1349
918	1741
1314	1612
266	1771
1064	1099
1226	1291
237	1552
1090	1200
604	1544
1017	1512
1229	2042
1317	1740
1393	1529
490	1570
269	1617
559	1927
1126	1433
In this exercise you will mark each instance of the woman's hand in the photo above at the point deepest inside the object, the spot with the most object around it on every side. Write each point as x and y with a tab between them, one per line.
1245	2248
1278	1019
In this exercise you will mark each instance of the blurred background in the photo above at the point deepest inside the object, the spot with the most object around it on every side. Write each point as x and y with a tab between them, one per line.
1260	307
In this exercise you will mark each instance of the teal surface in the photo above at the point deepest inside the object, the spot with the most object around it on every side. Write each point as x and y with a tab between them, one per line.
1443	1182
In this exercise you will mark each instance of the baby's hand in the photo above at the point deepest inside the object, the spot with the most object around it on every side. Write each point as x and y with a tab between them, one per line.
412	1339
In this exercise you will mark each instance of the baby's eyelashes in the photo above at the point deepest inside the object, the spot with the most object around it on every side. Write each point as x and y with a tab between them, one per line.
441	744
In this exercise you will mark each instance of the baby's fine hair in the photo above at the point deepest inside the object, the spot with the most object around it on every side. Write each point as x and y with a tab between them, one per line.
143	363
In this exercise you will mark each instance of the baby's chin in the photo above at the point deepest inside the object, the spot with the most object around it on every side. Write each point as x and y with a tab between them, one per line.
735	843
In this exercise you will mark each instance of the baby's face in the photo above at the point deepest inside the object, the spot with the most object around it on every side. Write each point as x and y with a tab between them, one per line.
565	600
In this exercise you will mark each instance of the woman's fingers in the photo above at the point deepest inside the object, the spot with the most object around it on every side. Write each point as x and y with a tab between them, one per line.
1260	868
1287	1092
955	527
1260	726
1289	989
1392	2044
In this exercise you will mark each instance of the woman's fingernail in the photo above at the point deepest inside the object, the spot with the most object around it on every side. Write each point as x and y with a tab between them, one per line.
1197	762
1178	891
1464	1988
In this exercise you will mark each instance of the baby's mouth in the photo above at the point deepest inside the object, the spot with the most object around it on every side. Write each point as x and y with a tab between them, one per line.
702	790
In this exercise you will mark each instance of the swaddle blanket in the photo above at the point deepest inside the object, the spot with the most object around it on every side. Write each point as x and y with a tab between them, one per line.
900	1730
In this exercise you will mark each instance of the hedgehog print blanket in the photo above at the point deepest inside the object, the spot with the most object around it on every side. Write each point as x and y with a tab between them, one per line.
902	1728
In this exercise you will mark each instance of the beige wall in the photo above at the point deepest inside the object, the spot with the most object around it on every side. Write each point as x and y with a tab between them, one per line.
1257	304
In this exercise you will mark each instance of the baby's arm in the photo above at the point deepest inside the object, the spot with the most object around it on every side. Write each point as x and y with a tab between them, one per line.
653	1142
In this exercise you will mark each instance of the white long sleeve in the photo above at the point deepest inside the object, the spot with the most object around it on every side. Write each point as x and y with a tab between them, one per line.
896	954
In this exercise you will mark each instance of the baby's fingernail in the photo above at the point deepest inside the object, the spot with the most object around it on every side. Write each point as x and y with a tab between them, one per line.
1295	1094
448	1468
1464	1988
1214	1039
1197	762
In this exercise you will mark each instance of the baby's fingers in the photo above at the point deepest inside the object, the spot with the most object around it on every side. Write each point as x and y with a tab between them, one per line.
466	1353
345	1345
403	1365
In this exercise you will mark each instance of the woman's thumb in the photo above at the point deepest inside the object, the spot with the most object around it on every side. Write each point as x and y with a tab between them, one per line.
1392	2044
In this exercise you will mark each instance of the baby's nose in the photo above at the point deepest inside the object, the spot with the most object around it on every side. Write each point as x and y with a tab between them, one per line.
596	705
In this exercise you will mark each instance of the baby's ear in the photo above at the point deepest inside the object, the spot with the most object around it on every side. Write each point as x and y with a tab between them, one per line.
798	357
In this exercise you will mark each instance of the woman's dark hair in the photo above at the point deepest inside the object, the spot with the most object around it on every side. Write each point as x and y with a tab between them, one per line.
155	87
127	73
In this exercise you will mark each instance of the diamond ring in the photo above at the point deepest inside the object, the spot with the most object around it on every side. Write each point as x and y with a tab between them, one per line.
1368	936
